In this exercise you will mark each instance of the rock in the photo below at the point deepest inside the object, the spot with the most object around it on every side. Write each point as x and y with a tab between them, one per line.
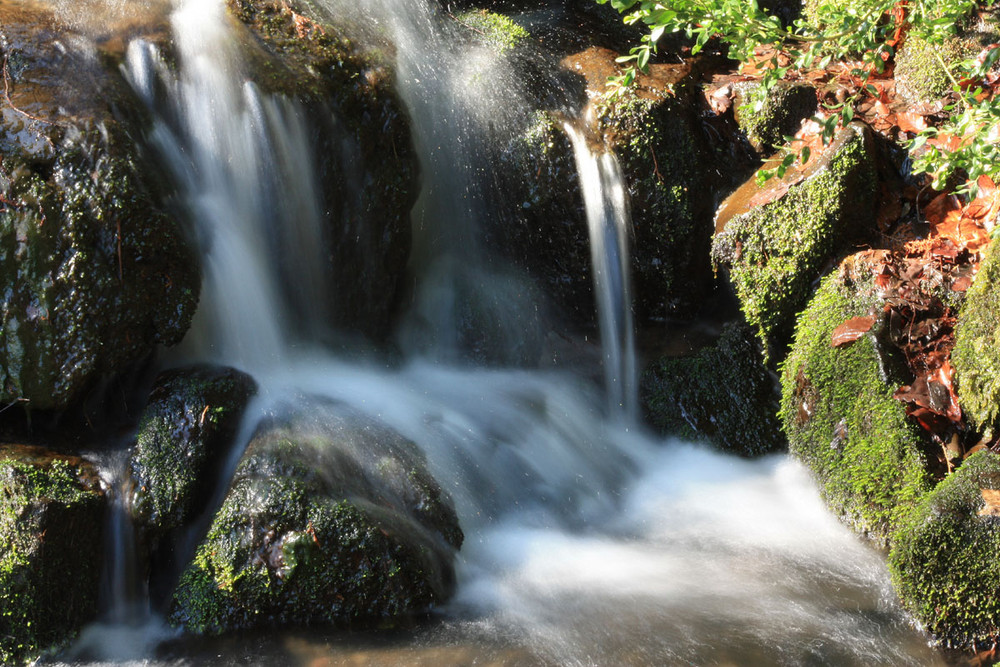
780	115
723	394
52	514
331	519
184	435
838	410
496	30
777	240
94	272
976	356
366	161
945	557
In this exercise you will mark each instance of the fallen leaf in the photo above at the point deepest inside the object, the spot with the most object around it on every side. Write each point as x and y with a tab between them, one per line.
909	121
851	330
991	502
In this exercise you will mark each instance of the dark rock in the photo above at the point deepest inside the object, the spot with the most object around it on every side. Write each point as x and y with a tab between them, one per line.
367	164
331	519
184	435
723	394
776	240
94	273
52	514
780	113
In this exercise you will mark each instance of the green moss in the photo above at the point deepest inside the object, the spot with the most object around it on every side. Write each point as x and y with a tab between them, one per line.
497	30
51	522
723	394
945	559
976	357
776	251
919	74
840	417
767	122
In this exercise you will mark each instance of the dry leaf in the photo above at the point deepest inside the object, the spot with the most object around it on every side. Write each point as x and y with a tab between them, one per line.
991	500
851	330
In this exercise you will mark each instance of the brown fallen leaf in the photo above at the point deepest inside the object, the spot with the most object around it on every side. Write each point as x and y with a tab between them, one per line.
991	500
851	330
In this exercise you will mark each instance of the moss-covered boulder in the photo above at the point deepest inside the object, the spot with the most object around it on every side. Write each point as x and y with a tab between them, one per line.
976	356
838	410
93	270
776	240
367	166
331	519
52	514
723	394
945	558
767	122
184	435
920	76
497	30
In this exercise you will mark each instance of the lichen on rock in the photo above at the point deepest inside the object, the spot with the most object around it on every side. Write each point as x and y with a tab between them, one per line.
331	519
52	513
839	413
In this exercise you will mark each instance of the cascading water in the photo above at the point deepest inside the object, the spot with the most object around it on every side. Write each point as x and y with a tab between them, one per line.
586	543
609	224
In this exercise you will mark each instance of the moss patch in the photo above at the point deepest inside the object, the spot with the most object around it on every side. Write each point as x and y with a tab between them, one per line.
52	516
945	559
976	356
779	114
497	30
775	251
723	394
840	417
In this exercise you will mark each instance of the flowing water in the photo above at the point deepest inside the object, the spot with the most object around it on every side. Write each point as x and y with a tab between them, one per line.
587	540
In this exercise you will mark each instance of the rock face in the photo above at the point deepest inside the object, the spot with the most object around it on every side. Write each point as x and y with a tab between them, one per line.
366	161
52	514
780	115
944	559
331	518
775	250
184	434
723	394
94	272
838	410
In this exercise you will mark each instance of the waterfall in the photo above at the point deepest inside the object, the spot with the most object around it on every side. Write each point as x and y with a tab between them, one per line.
609	223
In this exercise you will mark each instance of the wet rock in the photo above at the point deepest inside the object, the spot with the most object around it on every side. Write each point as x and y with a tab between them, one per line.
780	113
184	435
723	394
838	410
976	357
777	240
52	514
331	519
366	162
93	270
657	137
944	558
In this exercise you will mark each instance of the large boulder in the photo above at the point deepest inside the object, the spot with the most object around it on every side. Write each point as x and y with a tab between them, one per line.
331	519
94	271
52	514
184	435
945	557
723	394
838	407
367	166
776	240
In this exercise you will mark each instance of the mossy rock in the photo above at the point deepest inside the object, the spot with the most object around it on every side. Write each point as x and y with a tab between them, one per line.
184	435
723	394
95	273
366	163
945	558
497	30
780	114
976	356
838	410
775	251
331	519
52	514
919	75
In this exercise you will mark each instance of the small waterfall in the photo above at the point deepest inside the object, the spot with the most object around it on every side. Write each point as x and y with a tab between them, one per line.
244	163
610	224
